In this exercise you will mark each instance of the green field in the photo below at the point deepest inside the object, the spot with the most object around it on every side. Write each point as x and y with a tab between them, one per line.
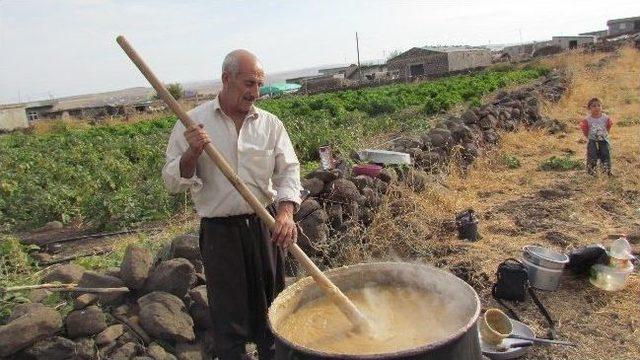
109	176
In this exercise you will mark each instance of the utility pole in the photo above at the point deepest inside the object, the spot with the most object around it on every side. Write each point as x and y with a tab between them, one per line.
520	31
358	51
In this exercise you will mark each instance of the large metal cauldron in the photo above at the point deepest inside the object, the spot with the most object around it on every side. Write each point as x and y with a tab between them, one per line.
463	344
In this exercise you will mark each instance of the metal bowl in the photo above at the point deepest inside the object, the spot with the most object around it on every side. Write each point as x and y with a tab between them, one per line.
544	257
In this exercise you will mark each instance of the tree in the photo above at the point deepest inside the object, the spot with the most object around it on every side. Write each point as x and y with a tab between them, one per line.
174	89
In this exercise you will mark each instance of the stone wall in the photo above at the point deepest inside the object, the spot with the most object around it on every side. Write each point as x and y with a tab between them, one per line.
12	118
462	60
434	63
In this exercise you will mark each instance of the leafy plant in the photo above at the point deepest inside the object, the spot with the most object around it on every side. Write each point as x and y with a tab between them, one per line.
561	163
510	161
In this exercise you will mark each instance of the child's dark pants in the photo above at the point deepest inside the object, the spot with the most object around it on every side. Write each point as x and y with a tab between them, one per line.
598	150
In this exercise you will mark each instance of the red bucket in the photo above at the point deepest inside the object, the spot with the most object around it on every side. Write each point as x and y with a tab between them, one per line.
367	169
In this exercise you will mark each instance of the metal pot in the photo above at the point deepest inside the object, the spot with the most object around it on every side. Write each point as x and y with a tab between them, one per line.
544	257
462	344
541	277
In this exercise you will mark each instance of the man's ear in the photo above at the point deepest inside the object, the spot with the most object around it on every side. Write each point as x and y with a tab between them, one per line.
225	77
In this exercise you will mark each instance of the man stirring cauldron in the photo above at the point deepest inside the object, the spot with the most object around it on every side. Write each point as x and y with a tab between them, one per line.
242	262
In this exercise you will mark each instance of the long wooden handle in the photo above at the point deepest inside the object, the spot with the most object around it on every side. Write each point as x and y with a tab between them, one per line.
345	305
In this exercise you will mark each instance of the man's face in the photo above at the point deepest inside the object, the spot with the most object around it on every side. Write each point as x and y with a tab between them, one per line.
596	109
244	87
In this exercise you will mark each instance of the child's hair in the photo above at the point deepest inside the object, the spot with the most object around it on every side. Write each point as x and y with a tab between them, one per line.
593	101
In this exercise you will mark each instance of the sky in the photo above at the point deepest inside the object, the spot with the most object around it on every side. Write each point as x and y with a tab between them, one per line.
54	48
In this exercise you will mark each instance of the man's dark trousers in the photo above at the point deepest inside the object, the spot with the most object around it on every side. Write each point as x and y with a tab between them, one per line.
245	272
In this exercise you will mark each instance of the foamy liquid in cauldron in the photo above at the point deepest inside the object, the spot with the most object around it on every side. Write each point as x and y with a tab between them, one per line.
402	318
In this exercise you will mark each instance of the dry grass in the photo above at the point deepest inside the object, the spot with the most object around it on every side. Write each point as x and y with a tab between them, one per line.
524	205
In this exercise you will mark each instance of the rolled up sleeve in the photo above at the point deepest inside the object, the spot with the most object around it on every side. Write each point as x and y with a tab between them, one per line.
173	181
286	175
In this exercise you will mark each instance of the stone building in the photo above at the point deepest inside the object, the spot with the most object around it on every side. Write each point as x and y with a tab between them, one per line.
434	61
572	42
624	26
13	117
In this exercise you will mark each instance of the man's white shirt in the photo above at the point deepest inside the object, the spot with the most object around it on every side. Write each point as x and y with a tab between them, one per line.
261	154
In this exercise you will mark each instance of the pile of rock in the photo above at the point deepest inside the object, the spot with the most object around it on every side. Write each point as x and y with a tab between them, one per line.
164	316
478	127
337	201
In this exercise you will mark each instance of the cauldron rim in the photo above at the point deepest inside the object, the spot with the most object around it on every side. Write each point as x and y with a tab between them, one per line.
388	355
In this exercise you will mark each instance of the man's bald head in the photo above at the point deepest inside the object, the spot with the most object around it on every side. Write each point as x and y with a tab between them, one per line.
241	60
242	77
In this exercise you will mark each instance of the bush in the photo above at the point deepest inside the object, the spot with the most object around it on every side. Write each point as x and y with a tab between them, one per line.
510	161
175	90
561	163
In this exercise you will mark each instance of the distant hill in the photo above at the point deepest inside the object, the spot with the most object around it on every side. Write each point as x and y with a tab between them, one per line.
213	86
141	93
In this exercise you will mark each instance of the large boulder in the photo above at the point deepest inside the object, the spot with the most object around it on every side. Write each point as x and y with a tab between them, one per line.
175	276
92	279
66	274
38	295
125	351
23	309
362	181
84	300
490	136
109	335
324	175
86	322
335	214
469	117
372	197
186	246
199	309
163	316
313	230
314	185
388	175
488	122
306	207
157	352
54	348
135	267
345	191
440	138
22	331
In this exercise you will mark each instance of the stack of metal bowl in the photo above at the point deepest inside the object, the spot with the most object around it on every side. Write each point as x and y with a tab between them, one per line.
544	266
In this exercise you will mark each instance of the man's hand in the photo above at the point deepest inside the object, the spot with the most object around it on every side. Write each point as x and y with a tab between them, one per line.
197	139
285	231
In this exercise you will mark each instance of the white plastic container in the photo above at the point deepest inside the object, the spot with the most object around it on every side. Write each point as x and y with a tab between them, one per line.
610	278
384	157
541	277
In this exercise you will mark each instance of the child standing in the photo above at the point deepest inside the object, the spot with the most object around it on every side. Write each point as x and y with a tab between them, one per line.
596	128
